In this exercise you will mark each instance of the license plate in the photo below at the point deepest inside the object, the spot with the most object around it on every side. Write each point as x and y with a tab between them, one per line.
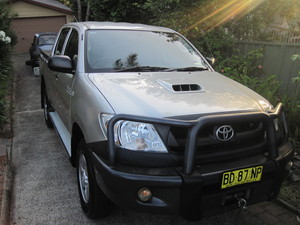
243	176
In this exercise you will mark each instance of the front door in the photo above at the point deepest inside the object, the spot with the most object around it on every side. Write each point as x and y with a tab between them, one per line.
65	81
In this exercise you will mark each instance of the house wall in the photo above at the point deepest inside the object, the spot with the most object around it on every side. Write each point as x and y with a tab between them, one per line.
33	19
25	10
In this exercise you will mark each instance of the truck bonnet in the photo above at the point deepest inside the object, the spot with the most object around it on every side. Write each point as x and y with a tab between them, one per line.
167	94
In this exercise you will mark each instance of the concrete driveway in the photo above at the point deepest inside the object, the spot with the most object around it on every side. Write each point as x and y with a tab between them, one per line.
45	187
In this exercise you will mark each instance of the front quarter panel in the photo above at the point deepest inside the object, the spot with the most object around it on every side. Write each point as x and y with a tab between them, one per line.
87	104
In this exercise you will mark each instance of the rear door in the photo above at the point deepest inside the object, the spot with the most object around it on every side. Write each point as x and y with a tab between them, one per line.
52	77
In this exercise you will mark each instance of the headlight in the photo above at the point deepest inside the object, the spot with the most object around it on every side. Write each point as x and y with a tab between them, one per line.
138	136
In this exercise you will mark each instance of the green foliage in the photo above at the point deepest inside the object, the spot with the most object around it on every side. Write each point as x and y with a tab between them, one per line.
239	65
215	43
267	86
7	41
246	70
118	10
136	11
242	20
292	104
6	17
158	8
292	107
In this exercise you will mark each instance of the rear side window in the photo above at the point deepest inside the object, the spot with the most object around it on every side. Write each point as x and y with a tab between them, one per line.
61	40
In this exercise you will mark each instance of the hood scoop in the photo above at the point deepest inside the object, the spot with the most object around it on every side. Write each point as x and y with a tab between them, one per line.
180	87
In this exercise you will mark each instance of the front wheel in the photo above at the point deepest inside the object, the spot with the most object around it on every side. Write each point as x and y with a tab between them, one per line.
93	201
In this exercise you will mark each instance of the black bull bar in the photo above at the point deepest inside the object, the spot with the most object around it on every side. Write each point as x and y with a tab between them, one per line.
197	126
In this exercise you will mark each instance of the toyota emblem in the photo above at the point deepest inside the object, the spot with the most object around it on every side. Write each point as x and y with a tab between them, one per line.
224	133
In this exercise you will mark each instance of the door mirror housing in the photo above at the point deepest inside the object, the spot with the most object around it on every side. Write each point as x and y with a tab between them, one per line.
61	63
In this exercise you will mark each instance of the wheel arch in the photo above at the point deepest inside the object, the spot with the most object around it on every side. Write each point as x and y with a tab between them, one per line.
77	135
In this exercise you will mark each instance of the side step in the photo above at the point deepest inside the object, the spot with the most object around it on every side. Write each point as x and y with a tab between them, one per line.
62	131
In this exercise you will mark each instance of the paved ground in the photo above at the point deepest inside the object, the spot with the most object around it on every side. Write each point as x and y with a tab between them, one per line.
45	188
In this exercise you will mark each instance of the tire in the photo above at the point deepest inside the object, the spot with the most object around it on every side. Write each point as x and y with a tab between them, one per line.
47	107
94	202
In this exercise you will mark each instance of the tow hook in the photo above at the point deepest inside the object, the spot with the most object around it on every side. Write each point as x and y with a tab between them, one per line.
242	203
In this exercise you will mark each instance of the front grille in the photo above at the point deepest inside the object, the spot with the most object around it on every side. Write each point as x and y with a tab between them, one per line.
249	138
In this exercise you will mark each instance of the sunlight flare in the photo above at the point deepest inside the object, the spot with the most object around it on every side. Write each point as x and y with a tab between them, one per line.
226	10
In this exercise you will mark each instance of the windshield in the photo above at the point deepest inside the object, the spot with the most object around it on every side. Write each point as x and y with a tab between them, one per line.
47	39
127	50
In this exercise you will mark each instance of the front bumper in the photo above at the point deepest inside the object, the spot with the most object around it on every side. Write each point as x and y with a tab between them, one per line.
195	195
191	189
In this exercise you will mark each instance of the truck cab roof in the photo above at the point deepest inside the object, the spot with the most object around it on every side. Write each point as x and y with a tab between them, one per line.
119	26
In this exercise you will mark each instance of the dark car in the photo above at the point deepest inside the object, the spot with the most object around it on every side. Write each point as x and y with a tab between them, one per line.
41	41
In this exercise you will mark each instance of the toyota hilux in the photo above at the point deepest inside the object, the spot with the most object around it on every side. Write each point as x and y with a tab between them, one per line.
149	125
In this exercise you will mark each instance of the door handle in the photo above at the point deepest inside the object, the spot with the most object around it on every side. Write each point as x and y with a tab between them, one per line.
56	76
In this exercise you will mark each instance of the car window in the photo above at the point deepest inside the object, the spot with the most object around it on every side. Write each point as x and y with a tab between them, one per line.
72	45
114	50
61	40
47	39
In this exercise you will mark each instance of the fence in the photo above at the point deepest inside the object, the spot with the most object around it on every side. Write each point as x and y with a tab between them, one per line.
284	36
277	61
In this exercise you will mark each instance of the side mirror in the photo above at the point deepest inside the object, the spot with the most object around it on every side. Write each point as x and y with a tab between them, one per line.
211	60
61	63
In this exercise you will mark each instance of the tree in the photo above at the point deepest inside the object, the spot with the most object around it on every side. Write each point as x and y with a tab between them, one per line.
79	10
136	11
119	11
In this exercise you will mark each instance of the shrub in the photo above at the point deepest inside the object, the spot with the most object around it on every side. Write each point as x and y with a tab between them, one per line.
245	69
292	105
5	71
7	40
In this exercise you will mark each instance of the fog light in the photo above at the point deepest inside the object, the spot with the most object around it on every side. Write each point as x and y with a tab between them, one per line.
144	194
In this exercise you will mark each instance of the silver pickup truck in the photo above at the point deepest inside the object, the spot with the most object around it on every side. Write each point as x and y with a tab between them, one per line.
150	125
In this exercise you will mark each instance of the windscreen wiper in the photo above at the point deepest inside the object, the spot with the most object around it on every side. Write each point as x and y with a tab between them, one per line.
142	69
191	68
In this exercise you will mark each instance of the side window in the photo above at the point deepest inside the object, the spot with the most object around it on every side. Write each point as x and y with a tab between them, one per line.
72	45
61	40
